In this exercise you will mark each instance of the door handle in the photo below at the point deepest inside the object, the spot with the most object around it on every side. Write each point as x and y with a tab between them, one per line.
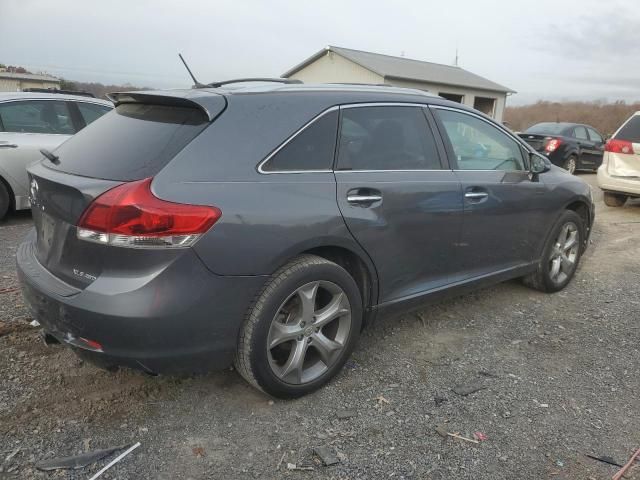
360	199
8	145
476	195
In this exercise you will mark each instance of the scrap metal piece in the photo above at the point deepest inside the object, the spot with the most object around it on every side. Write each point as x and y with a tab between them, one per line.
77	461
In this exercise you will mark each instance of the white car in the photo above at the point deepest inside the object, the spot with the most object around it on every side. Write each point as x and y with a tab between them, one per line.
619	175
33	121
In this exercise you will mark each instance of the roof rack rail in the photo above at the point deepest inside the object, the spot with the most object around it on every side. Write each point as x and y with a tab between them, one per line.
256	79
358	84
62	92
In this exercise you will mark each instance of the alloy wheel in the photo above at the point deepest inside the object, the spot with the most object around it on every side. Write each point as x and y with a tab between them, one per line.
571	165
309	331
564	254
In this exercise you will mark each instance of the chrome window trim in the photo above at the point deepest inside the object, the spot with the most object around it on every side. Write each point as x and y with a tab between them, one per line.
286	142
320	115
392	171
497	126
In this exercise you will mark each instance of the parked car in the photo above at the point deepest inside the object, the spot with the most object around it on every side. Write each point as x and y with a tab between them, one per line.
619	175
266	225
572	146
30	122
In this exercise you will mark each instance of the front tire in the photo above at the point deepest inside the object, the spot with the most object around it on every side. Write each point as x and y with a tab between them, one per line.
614	199
570	164
561	255
301	329
5	200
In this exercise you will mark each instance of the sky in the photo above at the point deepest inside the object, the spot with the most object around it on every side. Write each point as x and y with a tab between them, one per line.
544	49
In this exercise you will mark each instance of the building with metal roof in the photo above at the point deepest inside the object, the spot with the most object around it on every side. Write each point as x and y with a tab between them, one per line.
16	82
337	64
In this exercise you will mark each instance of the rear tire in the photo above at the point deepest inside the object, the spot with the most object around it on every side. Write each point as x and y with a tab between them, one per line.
301	328
561	255
614	199
570	164
5	200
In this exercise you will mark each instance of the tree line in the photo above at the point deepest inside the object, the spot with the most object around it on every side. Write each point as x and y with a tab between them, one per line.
604	117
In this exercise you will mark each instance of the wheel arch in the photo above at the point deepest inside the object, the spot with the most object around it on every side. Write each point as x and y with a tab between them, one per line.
12	196
582	208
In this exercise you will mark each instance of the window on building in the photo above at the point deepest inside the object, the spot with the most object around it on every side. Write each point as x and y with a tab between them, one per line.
454	97
485	104
386	138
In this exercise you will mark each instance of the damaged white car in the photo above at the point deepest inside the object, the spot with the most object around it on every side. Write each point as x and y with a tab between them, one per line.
619	174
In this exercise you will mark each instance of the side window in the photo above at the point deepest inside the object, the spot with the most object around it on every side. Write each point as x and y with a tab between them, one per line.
478	145
36	116
580	133
386	138
311	149
595	136
91	111
630	131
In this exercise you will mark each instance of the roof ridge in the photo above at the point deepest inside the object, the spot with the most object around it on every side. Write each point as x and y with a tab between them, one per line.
396	57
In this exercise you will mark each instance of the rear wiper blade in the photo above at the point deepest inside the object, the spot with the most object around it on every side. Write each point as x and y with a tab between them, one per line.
52	158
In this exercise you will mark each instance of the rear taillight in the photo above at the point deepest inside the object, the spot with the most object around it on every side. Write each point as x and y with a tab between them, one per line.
129	215
552	144
618	146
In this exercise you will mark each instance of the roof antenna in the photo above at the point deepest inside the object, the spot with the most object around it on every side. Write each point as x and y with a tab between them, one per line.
196	83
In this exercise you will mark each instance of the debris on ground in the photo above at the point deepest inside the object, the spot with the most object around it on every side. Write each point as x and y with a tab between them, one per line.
327	455
626	466
460	437
293	466
115	460
467	389
604	459
380	399
481	437
281	460
345	414
77	461
440	430
438	400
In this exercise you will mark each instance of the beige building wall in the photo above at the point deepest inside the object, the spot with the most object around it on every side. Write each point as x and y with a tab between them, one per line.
468	94
16	85
332	68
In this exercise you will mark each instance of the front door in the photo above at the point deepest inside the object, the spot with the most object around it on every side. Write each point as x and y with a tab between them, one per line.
397	198
504	221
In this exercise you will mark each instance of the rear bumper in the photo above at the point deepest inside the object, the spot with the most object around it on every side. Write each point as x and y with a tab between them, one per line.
184	320
627	185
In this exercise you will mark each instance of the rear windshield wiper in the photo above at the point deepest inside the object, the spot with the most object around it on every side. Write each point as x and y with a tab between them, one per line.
52	158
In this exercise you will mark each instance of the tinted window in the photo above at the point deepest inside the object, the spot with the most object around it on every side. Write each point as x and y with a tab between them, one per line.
36	116
91	111
594	136
311	149
581	133
386	138
132	142
479	145
630	130
547	129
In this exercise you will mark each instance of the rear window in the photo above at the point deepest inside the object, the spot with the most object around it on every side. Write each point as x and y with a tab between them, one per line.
547	129
132	142
630	131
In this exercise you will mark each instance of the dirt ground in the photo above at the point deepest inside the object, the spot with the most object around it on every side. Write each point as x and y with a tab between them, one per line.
559	378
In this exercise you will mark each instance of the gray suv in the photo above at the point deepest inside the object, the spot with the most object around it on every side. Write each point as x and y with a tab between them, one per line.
265	225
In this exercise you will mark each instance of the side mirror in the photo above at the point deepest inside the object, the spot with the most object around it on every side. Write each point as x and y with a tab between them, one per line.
537	163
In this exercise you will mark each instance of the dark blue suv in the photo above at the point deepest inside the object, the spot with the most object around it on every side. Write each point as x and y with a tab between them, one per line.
265	225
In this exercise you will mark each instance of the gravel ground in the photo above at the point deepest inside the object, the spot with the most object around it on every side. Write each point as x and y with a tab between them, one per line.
558	375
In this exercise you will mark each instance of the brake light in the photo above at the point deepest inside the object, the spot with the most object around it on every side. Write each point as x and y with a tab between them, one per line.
618	146
552	144
129	215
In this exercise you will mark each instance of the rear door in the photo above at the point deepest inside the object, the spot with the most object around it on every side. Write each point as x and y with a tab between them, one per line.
399	199
598	147
26	126
587	148
504	220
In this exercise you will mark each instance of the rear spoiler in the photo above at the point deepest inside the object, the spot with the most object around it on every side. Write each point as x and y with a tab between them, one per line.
211	104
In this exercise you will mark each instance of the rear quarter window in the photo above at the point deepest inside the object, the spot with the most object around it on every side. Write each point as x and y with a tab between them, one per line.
132	142
630	131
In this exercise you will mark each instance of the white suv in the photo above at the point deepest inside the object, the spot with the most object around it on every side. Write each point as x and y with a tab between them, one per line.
29	122
619	175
